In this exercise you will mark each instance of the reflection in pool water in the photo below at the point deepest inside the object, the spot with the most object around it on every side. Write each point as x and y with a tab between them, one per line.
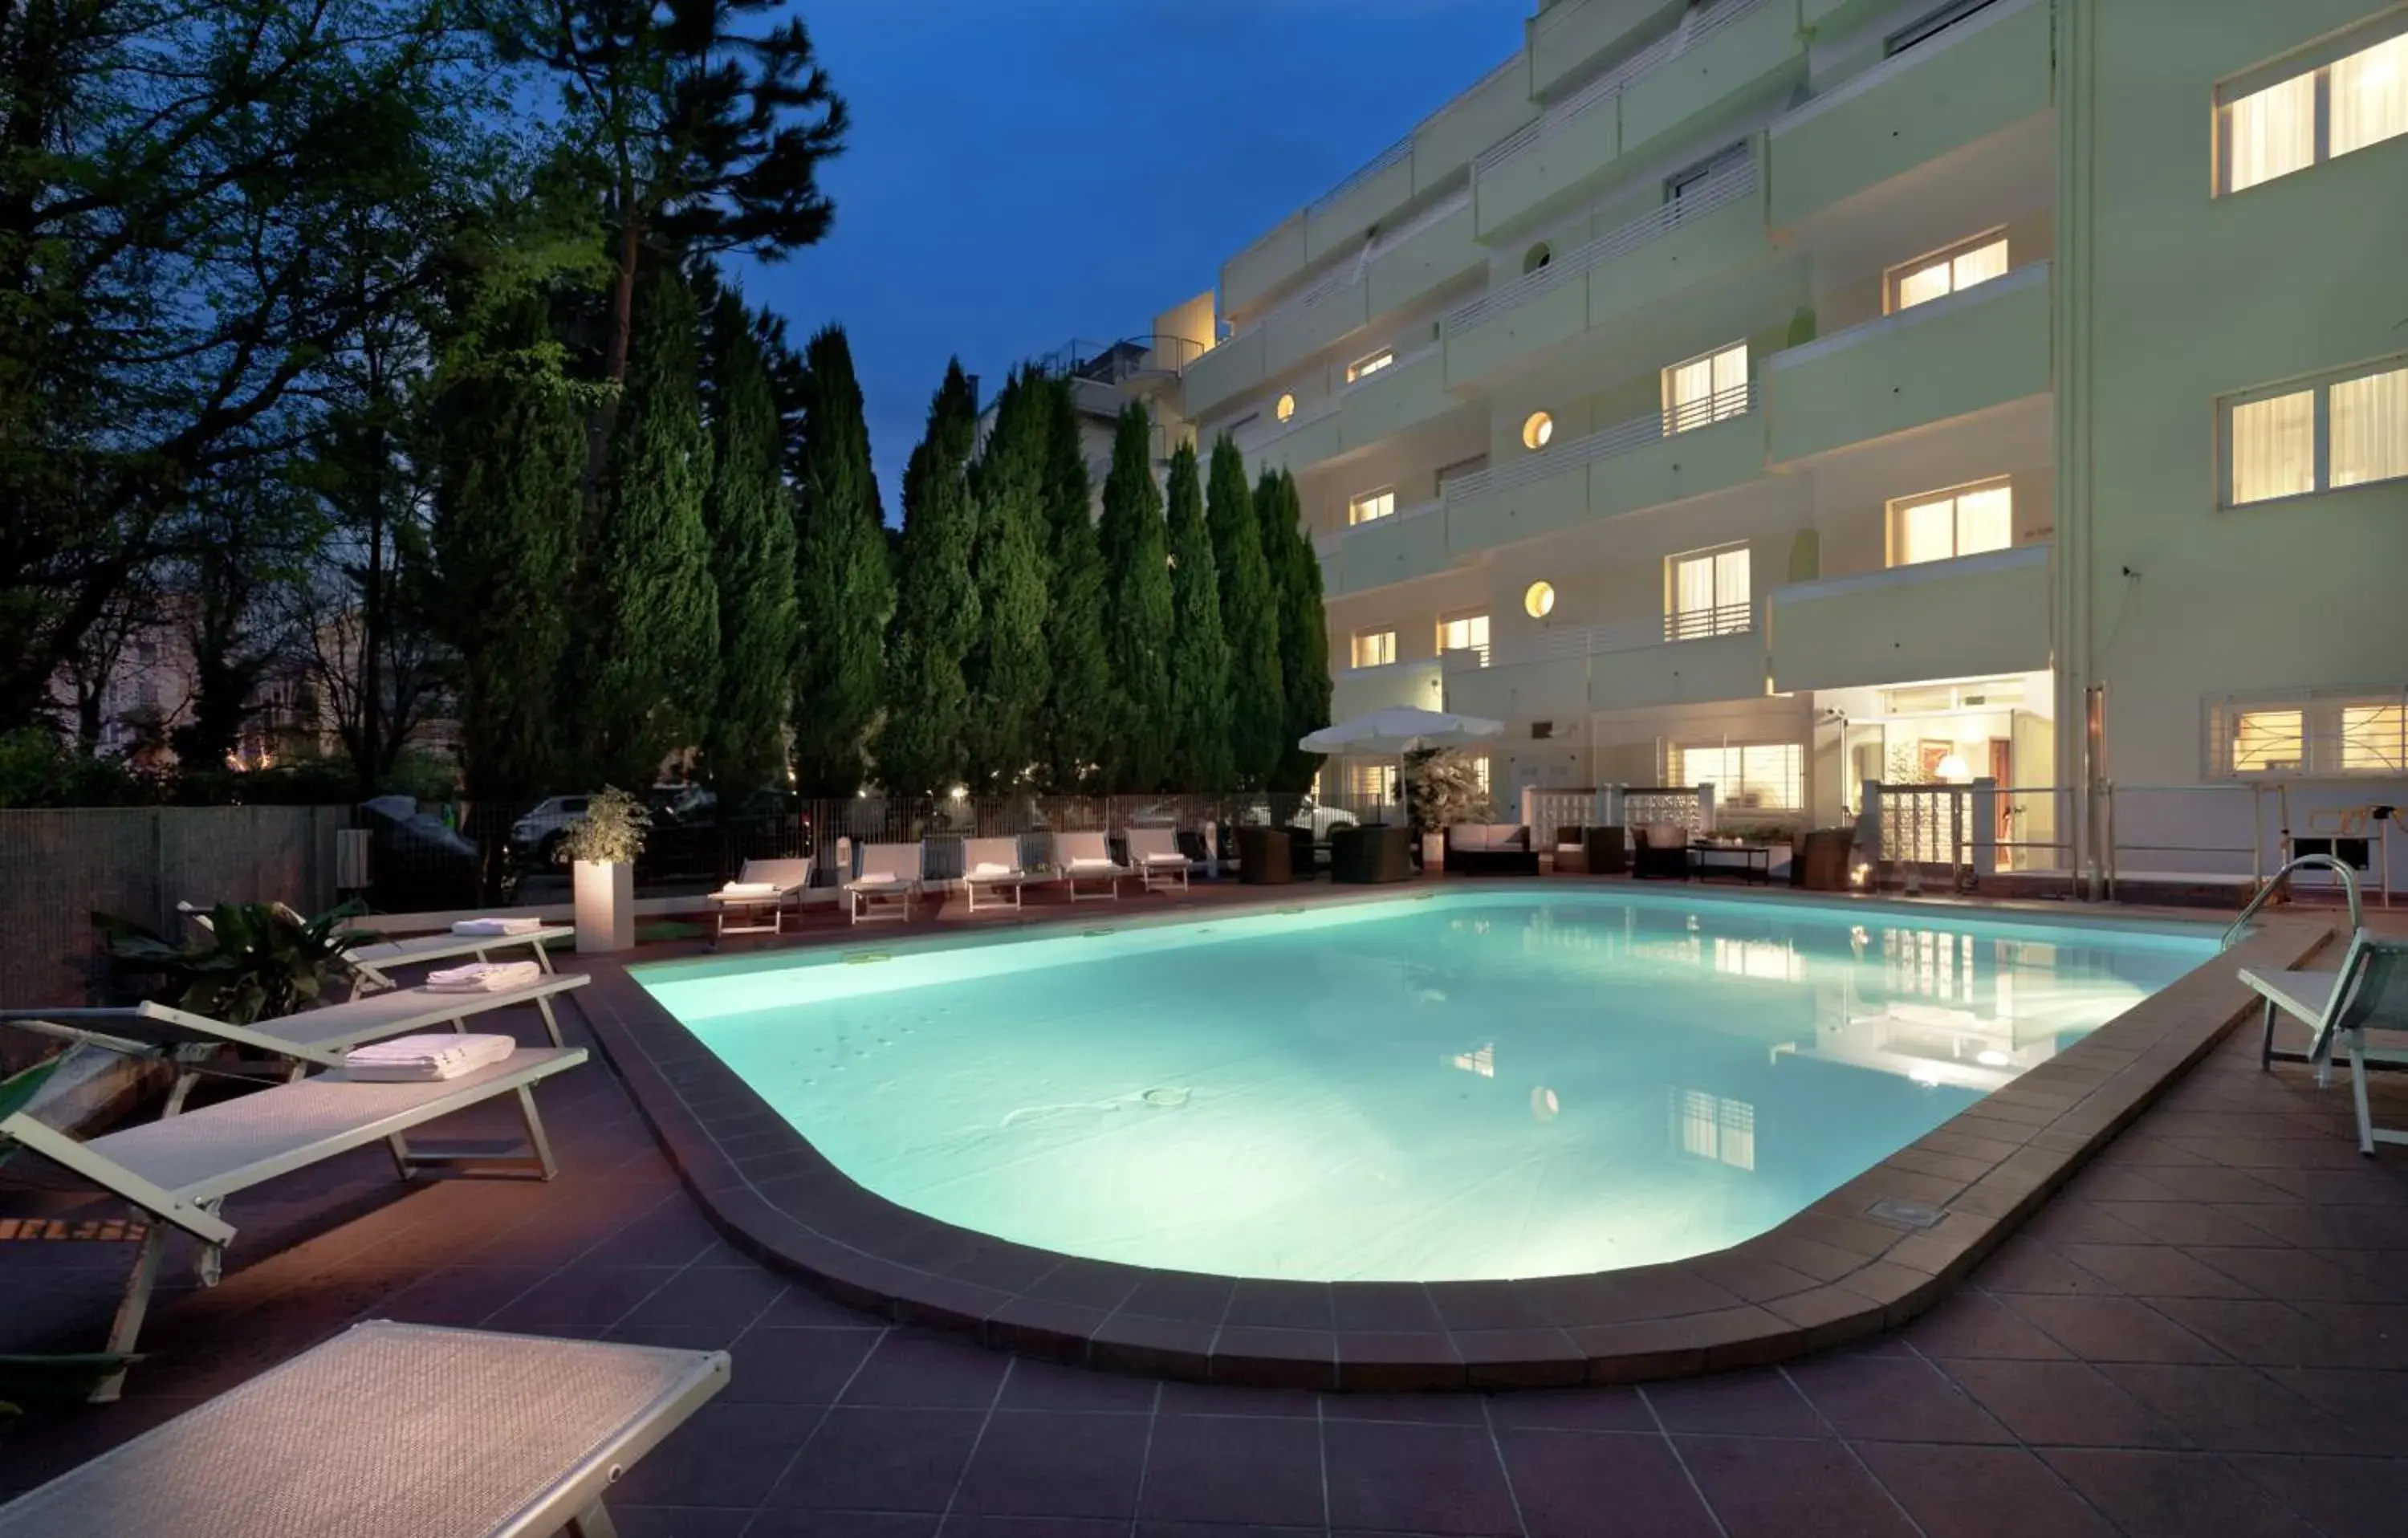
1486	1084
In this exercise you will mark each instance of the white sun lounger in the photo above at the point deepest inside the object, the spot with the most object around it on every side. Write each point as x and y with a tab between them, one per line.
1154	852
786	880
179	1171
899	865
992	853
391	1430
312	1038
1085	856
374	963
2369	992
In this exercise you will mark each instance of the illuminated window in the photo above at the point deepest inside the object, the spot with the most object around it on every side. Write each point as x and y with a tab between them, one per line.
2347	430
1285	409
2343	98
1710	1127
1706	389
1371	781
1371	505
1482	1060
1465	633
2268	741
1537	428
1769	776
1948	271
1707	594
1370	366
1942	525
2373	739
1374	648
1539	600
1479	771
1772	960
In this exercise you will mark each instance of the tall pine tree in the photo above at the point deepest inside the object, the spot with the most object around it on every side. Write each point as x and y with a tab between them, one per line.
650	653
1304	631
920	750
1199	657
1136	610
507	506
751	562
1075	727
844	587
1009	671
1249	622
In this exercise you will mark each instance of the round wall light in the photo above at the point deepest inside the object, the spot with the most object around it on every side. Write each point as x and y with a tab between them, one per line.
1285	409
1537	429
1540	602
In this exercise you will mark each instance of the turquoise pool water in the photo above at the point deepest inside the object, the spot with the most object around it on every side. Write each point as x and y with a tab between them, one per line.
1489	1082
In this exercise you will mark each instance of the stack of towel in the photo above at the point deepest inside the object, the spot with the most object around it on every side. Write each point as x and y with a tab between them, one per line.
1093	862
749	889
990	868
420	1060
483	977
497	927
877	878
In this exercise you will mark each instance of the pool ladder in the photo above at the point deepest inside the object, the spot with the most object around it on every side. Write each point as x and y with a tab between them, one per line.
2275	884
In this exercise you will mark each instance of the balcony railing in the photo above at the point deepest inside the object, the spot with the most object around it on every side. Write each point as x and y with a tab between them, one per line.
1570	642
1464	657
1403	148
1718	191
1730	619
1637	432
1418	509
1695	27
1402	360
1270	432
1347	275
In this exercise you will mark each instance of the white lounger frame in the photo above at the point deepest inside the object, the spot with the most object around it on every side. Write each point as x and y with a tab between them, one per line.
976	851
1154	852
862	897
1071	848
790	876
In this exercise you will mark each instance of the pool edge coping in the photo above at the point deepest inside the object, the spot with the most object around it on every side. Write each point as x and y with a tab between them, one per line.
1834	1273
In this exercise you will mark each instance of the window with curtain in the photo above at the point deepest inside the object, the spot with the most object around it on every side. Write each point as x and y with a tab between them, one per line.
1766	775
1706	389
1708	1126
1374	648
2340	99
1942	525
1371	781
1709	594
1371	365
2373	739
1465	633
2345	430
2267	741
1371	505
1948	271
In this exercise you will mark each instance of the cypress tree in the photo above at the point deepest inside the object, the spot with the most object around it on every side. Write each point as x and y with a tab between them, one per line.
1200	656
920	749
752	562
1137	609
650	654
1304	632
844	585
507	506
1008	671
1076	723
1249	622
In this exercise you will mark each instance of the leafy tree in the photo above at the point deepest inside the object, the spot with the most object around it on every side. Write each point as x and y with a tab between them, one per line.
238	545
920	749
511	440
648	657
844	587
1136	610
1304	630
1008	671
1249	622
751	561
1075	727
1199	657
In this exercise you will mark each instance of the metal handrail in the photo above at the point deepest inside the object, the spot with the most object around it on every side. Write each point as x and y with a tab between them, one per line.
2275	884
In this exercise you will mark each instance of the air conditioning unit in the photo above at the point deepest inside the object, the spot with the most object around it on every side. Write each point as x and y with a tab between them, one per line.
1541	730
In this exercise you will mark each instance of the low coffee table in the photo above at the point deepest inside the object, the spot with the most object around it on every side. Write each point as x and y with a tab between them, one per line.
1750	862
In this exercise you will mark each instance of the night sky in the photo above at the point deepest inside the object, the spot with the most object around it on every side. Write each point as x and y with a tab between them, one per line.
1023	172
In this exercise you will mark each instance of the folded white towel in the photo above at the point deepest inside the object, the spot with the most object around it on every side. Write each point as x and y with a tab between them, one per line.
497	927
1091	862
990	868
483	977
749	889
417	1060
877	878
1164	857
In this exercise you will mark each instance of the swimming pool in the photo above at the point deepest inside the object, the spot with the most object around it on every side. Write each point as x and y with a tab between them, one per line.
1471	1083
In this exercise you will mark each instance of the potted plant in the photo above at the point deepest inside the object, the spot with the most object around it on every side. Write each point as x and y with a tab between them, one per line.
601	848
1442	789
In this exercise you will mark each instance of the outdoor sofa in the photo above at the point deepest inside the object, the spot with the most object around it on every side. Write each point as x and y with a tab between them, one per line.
1490	849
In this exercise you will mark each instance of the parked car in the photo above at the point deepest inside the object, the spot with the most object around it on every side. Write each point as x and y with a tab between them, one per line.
415	862
536	836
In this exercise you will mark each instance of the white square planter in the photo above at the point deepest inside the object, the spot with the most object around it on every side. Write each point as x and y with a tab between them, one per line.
1434	851
606	907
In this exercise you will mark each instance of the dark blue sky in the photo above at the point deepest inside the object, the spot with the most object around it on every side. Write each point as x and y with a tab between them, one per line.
1023	172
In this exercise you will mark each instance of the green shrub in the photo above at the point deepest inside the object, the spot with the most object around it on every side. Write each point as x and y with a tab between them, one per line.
259	960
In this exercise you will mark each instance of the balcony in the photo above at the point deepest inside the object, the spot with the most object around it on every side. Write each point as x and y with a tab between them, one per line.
1716	54
1694	659
1407	543
1358	690
1222	374
1978	76
1635	464
1711	230
1305	439
1975	616
1406	394
1978	348
1563	38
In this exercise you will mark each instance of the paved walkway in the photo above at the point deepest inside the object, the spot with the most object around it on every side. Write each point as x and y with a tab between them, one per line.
2207	1333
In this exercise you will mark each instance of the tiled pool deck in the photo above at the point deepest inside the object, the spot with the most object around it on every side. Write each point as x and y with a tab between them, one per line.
2205	1332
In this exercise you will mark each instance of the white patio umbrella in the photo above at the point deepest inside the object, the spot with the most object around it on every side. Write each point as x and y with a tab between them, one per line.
1401	729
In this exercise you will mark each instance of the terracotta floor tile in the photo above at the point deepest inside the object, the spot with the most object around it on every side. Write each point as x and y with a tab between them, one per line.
2189	1223
2268	1334
2296	1276
1760	1404
2375	1404
1439	1479
1055	1463
711	1299
781	1366
1980	1493
1048	1385
727	1455
2155	1271
2173	1495
2064	1222
923	1371
2025	1265
1894	1398
1226	1469
2067	1403
1573	1410
881	1460
1600	1484
1764	1487
581	1300
1411	1409
2113	1329
678	1521
1970	1323
973	1525
2229	1409
2344	1497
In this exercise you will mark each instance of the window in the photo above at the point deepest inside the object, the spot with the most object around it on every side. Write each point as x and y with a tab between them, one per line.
1371	505
1767	775
1713	1129
1707	594
1942	525
2328	733
1947	271
2373	739
1537	428
2338	99
1539	600
2267	741
1692	179
1465	633
1706	389
2344	430
1285	409
1371	781
1923	28
1374	648
1372	364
